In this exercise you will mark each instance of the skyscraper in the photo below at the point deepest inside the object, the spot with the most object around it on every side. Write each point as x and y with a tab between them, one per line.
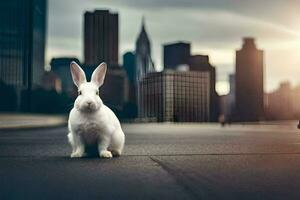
249	82
144	63
22	49
179	96
201	63
101	37
176	54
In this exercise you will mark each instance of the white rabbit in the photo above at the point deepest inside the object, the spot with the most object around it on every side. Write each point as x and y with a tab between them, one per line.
90	121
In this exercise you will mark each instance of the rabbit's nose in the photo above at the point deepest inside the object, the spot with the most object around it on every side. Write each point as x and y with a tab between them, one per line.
89	103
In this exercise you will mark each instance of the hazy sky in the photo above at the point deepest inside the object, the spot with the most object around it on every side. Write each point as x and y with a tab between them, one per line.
214	27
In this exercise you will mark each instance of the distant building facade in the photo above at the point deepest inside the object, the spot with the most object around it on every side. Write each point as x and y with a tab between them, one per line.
283	103
279	103
51	81
115	90
22	49
144	63
230	115
101	37
61	67
201	63
129	64
176	54
228	101
175	96
249	82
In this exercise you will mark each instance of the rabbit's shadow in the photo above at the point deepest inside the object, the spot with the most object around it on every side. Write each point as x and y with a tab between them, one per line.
91	151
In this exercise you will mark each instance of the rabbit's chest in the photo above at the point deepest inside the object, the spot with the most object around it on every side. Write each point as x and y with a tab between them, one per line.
89	128
90	133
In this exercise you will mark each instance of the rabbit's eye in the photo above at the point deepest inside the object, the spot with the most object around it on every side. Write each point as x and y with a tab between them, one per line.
97	92
79	92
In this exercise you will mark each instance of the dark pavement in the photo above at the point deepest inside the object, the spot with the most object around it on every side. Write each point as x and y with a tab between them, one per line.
161	161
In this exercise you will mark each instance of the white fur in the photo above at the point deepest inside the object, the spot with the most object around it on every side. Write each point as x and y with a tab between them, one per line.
90	121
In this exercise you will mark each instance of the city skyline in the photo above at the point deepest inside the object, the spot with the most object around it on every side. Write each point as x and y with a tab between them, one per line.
213	28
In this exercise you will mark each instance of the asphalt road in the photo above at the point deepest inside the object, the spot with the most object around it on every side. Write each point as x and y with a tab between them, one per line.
161	161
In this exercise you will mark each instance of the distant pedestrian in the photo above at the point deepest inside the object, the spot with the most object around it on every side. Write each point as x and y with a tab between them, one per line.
222	120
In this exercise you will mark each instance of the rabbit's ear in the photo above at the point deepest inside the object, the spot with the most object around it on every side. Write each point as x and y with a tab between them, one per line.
77	74
99	74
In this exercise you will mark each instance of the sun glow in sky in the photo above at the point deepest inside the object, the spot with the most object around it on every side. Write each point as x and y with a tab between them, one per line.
214	27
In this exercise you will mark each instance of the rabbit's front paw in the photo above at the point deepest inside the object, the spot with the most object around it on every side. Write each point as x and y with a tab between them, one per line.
105	154
77	154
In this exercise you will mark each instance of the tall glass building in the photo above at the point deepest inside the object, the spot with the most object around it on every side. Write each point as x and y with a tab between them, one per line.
179	96
22	45
101	37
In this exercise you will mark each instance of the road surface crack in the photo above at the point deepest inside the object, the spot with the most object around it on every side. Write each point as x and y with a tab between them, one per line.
176	176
